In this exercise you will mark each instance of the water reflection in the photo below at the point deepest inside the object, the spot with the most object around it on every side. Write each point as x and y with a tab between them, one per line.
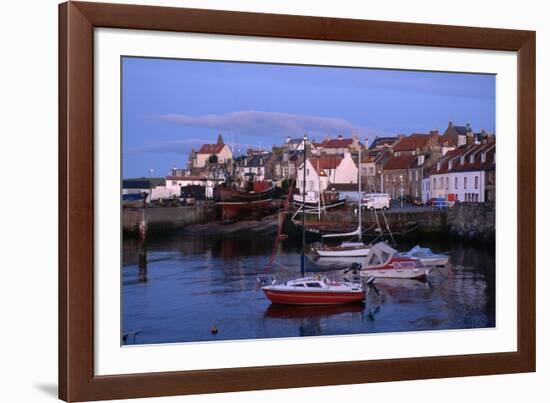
179	288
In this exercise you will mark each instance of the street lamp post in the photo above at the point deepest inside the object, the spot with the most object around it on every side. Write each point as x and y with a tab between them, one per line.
381	181
401	189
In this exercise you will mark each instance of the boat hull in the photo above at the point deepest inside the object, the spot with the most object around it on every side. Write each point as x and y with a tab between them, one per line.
287	297
227	194
233	210
343	252
404	273
435	261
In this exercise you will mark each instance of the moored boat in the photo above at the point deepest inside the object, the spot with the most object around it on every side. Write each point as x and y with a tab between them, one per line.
253	191
385	262
236	209
314	291
345	249
426	256
348	249
326	200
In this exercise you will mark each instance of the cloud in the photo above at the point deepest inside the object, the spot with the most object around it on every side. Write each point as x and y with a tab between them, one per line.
173	146
258	123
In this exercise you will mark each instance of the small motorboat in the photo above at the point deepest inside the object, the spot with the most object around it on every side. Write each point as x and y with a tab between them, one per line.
314	291
426	256
385	262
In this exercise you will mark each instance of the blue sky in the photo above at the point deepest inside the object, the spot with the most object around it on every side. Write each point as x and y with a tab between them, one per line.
171	106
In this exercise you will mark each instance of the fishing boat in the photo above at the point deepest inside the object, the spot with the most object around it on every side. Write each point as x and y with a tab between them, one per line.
426	256
236	209
385	262
251	191
317	290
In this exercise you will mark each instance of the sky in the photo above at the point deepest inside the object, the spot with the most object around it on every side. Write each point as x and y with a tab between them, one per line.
170	106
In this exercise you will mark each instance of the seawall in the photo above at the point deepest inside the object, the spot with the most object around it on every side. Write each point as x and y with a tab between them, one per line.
164	219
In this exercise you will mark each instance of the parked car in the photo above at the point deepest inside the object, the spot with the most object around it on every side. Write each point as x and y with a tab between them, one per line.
415	201
376	201
430	201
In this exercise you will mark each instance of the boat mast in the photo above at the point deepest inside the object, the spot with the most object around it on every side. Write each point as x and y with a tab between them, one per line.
303	257
359	229
318	191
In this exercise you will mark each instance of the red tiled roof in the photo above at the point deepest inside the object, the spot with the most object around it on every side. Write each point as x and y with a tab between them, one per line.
401	162
412	142
211	149
323	163
467	151
336	143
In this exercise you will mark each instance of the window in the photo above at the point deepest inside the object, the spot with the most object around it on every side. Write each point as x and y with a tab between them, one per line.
465	182
446	183
476	182
307	172
456	183
314	285
416	175
174	183
435	187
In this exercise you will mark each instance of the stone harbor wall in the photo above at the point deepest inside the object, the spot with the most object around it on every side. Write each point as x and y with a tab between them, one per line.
474	221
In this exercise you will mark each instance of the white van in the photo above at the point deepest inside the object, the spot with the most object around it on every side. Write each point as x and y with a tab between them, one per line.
376	201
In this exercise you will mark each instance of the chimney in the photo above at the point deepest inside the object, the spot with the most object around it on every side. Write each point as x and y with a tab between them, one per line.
366	143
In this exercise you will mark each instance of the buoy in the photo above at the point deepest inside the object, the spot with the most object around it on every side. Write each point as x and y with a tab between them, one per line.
214	330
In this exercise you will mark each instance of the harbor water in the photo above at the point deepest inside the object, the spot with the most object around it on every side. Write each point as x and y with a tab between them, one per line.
189	288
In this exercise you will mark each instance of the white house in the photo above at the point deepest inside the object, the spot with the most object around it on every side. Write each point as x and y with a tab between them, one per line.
462	174
220	150
322	171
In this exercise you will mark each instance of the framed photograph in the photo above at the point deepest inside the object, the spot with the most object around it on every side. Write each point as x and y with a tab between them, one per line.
257	201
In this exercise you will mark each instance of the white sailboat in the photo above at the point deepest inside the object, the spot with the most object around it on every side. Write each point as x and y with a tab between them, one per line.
317	290
348	249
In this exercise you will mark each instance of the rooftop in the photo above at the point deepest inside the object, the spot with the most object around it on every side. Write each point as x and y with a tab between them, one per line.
401	162
413	142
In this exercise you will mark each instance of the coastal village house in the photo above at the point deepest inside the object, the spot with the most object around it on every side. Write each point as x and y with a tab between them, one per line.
339	145
383	143
402	175
326	170
208	177
211	153
466	174
252	166
371	168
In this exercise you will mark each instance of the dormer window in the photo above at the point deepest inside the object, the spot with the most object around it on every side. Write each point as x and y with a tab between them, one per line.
439	166
462	160
483	157
472	157
450	165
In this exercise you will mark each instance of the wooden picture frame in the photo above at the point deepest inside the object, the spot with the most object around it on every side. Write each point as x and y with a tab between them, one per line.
77	21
